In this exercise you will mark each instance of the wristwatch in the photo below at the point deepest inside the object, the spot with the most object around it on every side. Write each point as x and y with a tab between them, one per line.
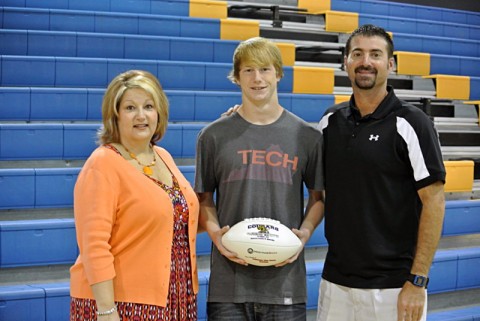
418	280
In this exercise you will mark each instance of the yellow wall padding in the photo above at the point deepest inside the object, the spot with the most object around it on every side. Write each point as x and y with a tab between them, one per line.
238	29
339	21
451	87
413	63
314	5
313	80
208	9
459	176
288	53
341	98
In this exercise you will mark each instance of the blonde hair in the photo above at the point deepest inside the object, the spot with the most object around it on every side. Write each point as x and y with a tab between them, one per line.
109	133
257	52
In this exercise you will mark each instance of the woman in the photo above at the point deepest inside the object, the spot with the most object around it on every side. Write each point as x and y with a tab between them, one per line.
135	215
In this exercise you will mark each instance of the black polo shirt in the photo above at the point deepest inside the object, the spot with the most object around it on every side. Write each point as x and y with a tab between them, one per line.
373	168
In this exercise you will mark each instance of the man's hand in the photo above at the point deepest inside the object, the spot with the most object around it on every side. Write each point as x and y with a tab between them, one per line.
304	236
411	302
232	256
231	110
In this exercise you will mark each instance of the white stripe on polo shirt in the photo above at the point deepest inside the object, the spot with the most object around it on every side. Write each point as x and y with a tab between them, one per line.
420	170
323	122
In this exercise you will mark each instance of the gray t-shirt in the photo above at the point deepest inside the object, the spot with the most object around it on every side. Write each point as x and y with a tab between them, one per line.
258	171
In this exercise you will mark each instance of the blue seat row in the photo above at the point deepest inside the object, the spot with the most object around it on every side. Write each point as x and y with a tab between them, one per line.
454	65
97	72
51	301
436	45
47	242
52	241
77	141
181	8
108	22
84	104
414	11
421	27
49	187
164	7
45	187
119	23
106	45
110	45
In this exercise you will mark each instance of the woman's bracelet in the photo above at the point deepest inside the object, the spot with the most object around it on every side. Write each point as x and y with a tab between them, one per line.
108	312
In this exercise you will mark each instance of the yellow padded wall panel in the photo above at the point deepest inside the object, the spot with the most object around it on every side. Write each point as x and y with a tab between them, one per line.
339	21
288	53
459	176
313	80
341	98
208	9
238	29
412	63
451	87
314	5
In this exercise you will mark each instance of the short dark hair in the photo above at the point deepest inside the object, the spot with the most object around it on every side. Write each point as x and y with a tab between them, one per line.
371	31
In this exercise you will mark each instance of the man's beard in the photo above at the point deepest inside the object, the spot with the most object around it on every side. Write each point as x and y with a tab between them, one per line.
369	84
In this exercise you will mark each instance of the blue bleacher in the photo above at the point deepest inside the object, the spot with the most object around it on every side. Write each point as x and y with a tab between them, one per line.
56	58
164	7
25	301
78	104
113	45
454	65
77	141
415	11
436	45
108	22
422	27
59	234
97	72
51	301
82	44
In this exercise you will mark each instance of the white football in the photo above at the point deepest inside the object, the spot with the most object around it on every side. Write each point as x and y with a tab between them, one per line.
261	241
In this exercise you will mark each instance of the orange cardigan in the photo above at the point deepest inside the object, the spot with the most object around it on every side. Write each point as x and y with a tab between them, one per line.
124	226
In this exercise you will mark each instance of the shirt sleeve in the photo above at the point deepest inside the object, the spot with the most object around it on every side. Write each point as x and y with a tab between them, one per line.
94	210
426	159
205	178
313	177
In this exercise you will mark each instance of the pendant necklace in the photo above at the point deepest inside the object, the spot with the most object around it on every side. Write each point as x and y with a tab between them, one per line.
146	168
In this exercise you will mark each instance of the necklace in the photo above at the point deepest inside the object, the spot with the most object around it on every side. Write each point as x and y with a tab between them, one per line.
146	168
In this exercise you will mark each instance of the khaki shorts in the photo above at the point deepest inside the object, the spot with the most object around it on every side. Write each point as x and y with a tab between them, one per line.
340	303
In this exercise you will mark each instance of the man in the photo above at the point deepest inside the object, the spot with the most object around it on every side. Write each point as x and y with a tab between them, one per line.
384	203
257	162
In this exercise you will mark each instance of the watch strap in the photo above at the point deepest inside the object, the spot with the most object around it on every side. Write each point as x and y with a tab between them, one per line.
418	280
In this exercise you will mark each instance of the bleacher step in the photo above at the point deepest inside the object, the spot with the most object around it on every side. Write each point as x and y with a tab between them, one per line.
445	301
35	274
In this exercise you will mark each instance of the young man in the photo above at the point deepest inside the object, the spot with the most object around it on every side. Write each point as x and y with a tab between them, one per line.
384	204
257	162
